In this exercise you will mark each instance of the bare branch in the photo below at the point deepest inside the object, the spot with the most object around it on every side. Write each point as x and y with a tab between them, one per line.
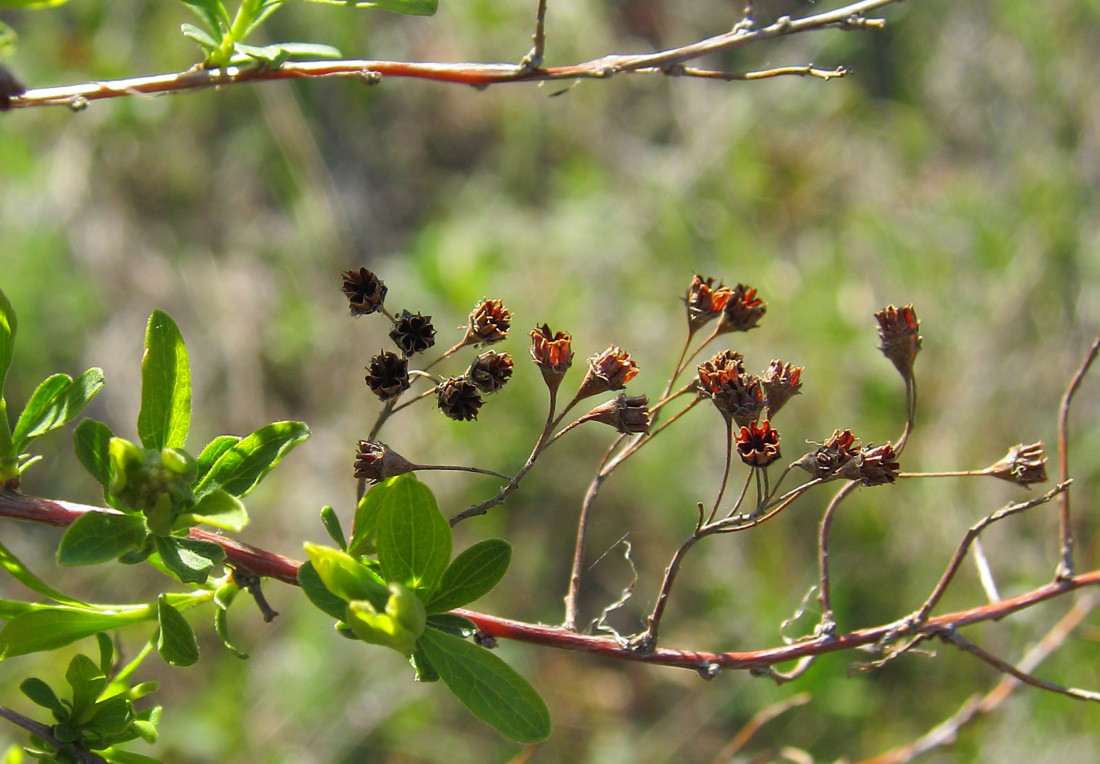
1066	567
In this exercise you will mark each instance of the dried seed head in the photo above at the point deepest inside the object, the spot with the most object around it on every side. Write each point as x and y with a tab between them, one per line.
742	311
10	87
877	465
897	327
488	323
1022	464
413	333
758	446
459	399
490	371
365	292
626	413
609	370
553	353
738	396
375	462
705	302
781	382
836	458
388	375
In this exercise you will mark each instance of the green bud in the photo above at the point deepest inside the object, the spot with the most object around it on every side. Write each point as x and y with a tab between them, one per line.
398	627
180	463
126	459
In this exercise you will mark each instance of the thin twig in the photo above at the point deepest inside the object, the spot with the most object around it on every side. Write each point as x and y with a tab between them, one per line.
809	70
762	717
46	733
827	626
1065	569
476	74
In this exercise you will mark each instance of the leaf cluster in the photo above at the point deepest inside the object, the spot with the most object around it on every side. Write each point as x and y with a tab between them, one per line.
393	584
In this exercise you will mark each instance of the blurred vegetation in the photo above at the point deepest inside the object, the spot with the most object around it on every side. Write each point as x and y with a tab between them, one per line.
958	170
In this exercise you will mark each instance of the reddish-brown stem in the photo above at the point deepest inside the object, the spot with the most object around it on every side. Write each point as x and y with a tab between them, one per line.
476	74
270	565
824	594
1065	568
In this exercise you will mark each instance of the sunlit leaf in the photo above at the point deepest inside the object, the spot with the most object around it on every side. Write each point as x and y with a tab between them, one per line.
165	414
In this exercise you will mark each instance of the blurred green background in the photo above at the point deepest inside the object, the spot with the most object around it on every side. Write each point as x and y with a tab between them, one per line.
957	170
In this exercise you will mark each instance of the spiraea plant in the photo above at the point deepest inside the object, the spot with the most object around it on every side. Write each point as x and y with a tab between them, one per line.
394	582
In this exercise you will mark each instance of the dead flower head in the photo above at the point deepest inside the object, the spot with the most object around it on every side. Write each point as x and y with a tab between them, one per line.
758	446
897	328
705	302
742	311
610	370
375	462
1022	464
365	292
488	323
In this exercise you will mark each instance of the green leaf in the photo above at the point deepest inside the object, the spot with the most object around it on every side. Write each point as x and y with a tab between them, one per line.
364	530
165	414
205	41
51	628
23	575
8	325
488	686
397	627
214	449
216	508
319	594
98	537
43	695
346	577
29	3
111	716
188	559
57	401
455	625
425	671
221	626
92	442
408	7
332	525
472	575
116	756
176	643
212	13
87	681
241	467
414	539
106	652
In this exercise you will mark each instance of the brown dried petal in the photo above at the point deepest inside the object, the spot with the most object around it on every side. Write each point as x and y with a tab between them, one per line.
742	311
781	382
459	399
758	446
610	370
490	371
626	413
877	465
488	323
375	462
365	291
705	301
897	328
553	353
1022	464
836	458
413	333
388	375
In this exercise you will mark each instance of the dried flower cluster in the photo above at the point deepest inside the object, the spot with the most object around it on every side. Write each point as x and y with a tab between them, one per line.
553	353
897	328
842	457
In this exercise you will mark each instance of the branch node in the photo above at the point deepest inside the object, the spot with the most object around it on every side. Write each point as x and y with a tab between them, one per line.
709	671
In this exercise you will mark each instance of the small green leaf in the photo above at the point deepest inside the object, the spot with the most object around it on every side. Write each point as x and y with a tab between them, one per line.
346	577
106	652
57	401
214	449
216	508
397	627
408	7
111	716
319	594
115	756
221	626
241	467
165	414
332	525
488	686
98	537
188	559
414	539
425	671
472	575
51	628
23	575
205	41
87	681
92	442
8	325
212	13
176	643
42	694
